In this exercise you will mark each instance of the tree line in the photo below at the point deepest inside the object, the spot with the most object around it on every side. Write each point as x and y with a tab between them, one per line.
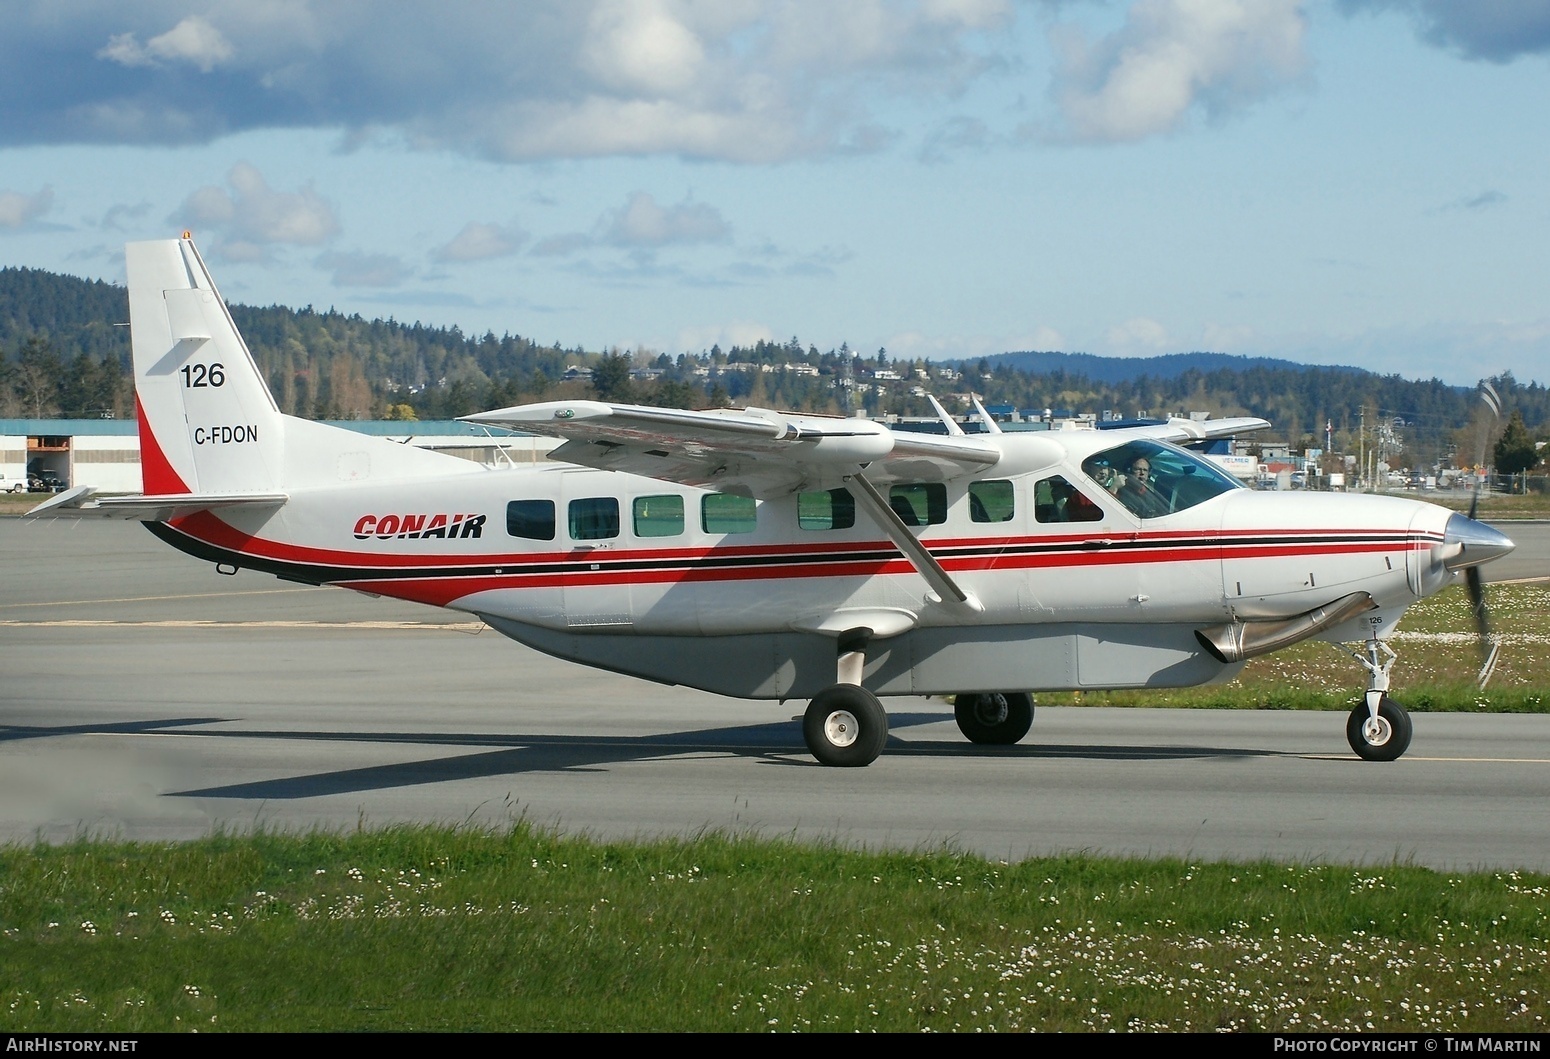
64	351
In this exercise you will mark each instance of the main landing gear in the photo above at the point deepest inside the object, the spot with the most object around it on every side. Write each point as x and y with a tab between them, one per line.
993	718
845	725
1379	728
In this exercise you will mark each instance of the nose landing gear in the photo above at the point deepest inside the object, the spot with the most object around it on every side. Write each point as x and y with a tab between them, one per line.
1378	729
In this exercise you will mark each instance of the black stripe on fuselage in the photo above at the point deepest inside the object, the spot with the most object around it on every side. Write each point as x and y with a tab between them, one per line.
323	573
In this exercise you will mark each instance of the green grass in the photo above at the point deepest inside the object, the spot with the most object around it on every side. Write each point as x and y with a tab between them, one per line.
1532	505
1438	663
433	929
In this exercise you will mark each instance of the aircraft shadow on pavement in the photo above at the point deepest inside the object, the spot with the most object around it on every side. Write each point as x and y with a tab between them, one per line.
777	743
11	732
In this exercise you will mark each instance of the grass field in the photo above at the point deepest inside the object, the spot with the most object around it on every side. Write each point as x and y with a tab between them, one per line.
1438	662
445	929
434	929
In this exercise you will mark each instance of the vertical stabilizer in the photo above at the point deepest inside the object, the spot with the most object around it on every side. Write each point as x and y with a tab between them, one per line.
207	421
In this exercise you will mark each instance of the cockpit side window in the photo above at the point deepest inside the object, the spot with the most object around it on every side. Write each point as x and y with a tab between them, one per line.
1057	500
1154	479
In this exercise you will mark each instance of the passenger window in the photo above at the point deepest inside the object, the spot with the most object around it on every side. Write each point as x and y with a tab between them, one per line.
991	501
728	513
533	519
594	518
831	509
1057	500
658	516
923	504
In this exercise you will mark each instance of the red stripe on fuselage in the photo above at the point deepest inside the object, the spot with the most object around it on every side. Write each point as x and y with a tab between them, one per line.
447	579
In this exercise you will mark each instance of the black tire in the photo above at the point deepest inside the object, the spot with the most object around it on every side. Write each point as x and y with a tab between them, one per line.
993	718
845	726
1387	740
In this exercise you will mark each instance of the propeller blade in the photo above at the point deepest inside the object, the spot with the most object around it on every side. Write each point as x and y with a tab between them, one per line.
1493	402
1488	647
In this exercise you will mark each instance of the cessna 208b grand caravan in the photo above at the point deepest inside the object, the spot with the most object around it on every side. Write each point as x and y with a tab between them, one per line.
773	555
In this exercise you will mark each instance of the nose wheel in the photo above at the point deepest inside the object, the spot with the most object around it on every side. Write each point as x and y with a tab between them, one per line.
1380	736
1379	728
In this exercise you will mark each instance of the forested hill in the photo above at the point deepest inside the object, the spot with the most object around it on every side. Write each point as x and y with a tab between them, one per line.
1121	369
63	353
318	364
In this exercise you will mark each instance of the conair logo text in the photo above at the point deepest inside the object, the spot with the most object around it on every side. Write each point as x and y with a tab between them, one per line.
399	527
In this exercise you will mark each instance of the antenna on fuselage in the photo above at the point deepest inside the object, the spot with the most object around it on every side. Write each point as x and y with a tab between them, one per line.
991	426
953	429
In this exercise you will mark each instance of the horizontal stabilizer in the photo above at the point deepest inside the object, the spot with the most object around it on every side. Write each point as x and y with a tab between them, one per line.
83	502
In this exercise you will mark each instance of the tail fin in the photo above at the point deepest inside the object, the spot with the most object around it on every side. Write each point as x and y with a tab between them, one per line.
208	424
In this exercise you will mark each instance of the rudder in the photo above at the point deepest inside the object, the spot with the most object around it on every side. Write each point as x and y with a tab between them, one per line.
208	423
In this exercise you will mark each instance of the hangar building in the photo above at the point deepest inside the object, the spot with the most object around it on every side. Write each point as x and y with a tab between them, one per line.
105	453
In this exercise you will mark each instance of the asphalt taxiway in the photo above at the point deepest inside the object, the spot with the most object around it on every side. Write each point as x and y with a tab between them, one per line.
144	696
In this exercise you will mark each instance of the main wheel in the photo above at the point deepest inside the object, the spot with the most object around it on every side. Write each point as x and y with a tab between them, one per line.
1380	739
845	726
995	718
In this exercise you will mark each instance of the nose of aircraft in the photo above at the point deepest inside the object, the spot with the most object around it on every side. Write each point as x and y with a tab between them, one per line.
1478	543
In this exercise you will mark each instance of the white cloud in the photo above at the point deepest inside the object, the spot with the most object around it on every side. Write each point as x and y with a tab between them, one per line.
1457	352
643	222
739	80
1138	335
118	215
193	40
638	46
737	333
643	225
18	209
480	241
1493	30
914	345
1172	56
1227	338
251	214
364	270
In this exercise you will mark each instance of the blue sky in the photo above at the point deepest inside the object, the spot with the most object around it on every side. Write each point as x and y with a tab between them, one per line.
1332	181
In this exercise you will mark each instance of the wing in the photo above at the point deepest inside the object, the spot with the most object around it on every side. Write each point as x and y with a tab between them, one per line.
752	450
1183	431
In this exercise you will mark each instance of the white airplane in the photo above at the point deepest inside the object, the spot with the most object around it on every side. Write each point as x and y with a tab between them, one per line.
772	555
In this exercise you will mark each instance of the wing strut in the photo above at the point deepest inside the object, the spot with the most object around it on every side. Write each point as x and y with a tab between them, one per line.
942	585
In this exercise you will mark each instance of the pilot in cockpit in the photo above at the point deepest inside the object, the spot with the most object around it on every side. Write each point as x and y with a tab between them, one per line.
1140	493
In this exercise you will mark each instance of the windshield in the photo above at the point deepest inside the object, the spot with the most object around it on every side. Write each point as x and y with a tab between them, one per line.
1153	479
